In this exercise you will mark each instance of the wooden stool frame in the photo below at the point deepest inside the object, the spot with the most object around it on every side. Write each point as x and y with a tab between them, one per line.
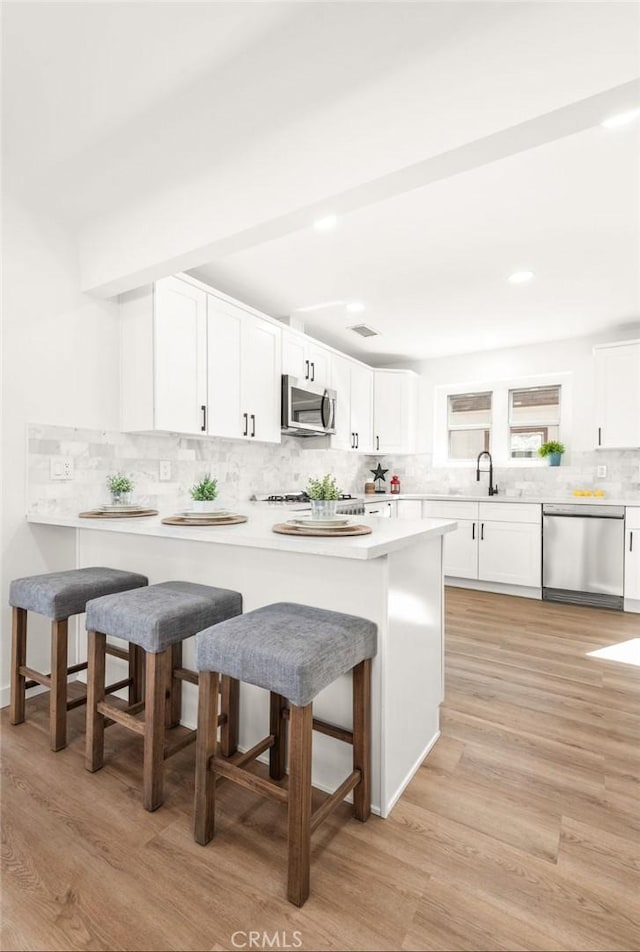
162	707
301	723
23	677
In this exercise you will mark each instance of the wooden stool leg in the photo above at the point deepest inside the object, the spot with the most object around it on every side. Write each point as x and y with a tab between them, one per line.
205	781
230	705
136	673
174	688
96	658
154	721
18	659
277	727
300	734
362	738
58	696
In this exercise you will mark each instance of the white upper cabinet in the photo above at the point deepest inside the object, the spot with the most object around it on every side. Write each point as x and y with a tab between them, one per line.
243	398
194	362
353	383
617	387
305	359
394	411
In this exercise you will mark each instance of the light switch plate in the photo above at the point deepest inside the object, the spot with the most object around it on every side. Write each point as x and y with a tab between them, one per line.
165	470
61	467
602	471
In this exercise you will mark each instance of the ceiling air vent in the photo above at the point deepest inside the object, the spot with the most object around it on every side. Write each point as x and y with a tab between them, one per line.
364	331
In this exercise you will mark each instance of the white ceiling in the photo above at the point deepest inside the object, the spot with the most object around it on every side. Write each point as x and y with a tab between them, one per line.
109	105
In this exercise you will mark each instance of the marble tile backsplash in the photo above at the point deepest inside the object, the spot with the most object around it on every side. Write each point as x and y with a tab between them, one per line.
244	468
241	468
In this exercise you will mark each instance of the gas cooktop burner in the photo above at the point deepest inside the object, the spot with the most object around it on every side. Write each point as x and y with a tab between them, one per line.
298	497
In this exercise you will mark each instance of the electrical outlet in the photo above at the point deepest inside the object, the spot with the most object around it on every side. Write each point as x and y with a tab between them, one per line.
602	471
61	467
165	470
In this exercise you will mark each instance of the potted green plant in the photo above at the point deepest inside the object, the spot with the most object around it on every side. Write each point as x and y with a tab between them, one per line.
324	494
204	494
120	487
553	450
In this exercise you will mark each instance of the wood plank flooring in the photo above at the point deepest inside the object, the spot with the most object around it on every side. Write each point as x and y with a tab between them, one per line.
520	831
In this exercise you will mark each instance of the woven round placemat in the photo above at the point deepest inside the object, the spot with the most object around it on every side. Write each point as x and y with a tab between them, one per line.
285	529
99	514
188	521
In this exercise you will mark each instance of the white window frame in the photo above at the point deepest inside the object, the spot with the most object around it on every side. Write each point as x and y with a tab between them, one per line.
500	426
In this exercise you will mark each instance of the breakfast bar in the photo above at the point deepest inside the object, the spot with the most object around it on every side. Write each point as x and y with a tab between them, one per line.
392	576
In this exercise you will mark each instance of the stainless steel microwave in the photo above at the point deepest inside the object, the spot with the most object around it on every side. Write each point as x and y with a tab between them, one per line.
307	409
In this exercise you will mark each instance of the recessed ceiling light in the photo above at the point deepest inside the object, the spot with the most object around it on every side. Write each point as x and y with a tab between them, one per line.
326	223
355	307
520	277
621	119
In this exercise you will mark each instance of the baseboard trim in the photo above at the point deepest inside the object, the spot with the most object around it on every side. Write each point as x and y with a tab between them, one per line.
632	605
411	774
498	588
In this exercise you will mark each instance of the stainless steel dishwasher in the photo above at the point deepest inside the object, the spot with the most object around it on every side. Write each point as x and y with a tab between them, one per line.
583	554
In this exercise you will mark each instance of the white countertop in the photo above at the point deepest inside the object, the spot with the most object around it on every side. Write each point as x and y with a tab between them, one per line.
388	534
539	500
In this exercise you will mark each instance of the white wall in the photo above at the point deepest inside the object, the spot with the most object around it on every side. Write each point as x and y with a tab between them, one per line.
568	356
59	365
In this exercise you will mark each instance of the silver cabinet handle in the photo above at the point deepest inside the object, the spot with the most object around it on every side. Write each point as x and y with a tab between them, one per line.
482	531
313	371
377	442
631	541
599	436
473	530
253	424
203	409
245	432
306	372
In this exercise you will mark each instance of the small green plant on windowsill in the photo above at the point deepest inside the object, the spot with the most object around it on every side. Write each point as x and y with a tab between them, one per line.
553	451
205	493
120	487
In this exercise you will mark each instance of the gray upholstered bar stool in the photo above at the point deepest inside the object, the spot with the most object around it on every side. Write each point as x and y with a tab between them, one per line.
157	619
294	651
58	596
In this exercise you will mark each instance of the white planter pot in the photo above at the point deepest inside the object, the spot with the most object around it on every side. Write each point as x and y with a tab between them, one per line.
200	506
323	508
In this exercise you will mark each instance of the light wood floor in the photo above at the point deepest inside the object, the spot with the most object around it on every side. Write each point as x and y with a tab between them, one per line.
520	831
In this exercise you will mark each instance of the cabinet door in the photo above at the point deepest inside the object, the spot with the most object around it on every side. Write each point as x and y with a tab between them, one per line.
224	356
409	508
510	552
618	395
260	378
319	365
342	439
632	557
293	355
180	358
461	550
362	407
395	396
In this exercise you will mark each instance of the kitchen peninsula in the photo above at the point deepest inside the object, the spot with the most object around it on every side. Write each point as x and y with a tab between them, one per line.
393	576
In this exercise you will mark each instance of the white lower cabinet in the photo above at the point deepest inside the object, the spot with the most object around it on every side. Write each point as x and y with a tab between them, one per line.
510	552
632	559
494	542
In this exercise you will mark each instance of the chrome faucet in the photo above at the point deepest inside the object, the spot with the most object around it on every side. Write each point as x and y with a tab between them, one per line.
493	490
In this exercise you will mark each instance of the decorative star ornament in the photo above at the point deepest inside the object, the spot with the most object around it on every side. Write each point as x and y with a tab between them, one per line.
379	473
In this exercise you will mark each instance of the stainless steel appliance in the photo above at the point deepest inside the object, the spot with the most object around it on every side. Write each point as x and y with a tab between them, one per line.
307	409
583	554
